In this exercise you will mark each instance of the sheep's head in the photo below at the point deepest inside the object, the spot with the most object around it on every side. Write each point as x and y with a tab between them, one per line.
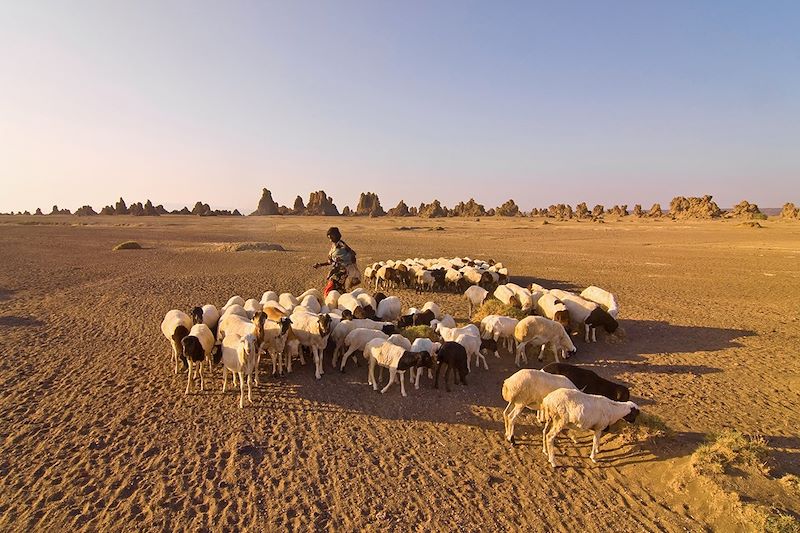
324	325
359	313
621	393
285	323
634	412
216	354
369	312
192	350
347	315
389	329
425	359
562	317
379	296
197	315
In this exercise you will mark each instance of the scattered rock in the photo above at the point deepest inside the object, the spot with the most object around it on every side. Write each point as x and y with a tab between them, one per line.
85	211
508	209
637	211
128	245
789	211
401	210
299	207
346	211
266	205
598	211
560	211
120	208
39	211
746	210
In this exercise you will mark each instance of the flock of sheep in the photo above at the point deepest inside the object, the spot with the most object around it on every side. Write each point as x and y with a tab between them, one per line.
284	328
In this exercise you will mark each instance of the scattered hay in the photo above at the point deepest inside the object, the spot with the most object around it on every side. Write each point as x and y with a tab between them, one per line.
128	245
419	332
646	428
251	247
791	482
437	228
407	228
771	520
496	307
545	223
751	224
728	449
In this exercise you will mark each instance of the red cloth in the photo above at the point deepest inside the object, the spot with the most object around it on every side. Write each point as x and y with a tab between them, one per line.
328	288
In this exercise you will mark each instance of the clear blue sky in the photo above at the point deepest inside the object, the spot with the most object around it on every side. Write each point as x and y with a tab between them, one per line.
602	101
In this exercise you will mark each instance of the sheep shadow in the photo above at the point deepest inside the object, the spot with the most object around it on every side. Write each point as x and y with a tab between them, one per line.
645	337
5	294
20	322
526	281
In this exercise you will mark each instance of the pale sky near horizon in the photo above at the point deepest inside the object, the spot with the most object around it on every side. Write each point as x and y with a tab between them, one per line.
604	102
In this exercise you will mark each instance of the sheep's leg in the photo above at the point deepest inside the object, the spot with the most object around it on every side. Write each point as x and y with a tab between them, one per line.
551	442
392	377
202	381
541	352
224	378
447	377
594	334
241	390
258	360
555	353
436	378
416	381
544	436
596	445
511	417
189	378
403	383
249	392
317	362
430	373
302	356
506	412
288	355
483	357
345	357
372	363
586	332
175	357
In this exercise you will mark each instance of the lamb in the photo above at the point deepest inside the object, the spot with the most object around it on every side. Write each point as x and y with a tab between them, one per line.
587	314
454	357
389	309
603	298
196	348
589	382
527	388
312	331
234	309
239	355
499	327
570	408
542	331
357	340
274	336
396	359
425	280
175	327
551	307
251	307
423	344
475	295
507	296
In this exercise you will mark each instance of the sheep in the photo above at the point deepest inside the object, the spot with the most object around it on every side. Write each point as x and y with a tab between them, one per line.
274	310
274	343
570	408
423	344
233	300
475	295
396	359
589	382
357	339
472	343
311	303
447	321
425	280
269	296
349	302
540	330
551	307
239	355
344	327
251	307
527	388
175	327
312	331
454	356
234	309
332	299
450	334
208	315
507	296
196	348
316	293
587	314
432	306
453	278
603	298
527	299
288	301
499	327
389	309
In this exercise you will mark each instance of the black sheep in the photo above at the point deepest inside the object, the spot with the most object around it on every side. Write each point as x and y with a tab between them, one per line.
589	382
454	356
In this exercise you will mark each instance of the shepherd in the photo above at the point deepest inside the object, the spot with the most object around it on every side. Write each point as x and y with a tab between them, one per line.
344	272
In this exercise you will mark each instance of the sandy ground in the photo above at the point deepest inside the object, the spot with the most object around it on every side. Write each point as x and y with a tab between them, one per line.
95	432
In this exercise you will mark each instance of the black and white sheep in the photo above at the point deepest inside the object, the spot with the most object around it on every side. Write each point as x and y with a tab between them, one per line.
589	382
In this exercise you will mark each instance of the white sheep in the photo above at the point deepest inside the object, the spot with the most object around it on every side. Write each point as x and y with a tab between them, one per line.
233	300
312	331
389	309
288	301
527	388
175	327
587	315
425	280
605	299
538	330
197	347
274	343
332	299
472	344
239	356
447	321
551	307
499	328
399	340
570	408
234	309
433	306
311	303
344	327
507	296
450	334
475	295
251	307
365	300
269	296
316	293
357	339
348	302
396	358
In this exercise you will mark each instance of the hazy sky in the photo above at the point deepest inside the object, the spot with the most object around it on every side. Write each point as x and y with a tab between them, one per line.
599	101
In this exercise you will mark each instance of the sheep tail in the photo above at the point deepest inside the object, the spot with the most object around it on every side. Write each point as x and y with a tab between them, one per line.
506	392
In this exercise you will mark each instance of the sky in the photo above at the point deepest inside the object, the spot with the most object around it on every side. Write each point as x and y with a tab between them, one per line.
607	101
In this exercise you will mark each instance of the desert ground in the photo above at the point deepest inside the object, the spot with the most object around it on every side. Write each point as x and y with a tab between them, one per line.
96	433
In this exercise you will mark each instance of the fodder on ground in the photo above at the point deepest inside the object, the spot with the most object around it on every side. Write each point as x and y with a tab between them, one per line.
646	428
128	245
251	247
496	307
730	448
416	332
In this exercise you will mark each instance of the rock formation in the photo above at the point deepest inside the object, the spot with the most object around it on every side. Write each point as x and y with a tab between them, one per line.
582	211
346	211
508	209
637	211
266	205
320	203
694	207
746	210
619	210
401	210
201	209
39	211
598	211
85	211
369	205
468	209
120	208
432	210
560	211
789	211
57	211
299	207
655	211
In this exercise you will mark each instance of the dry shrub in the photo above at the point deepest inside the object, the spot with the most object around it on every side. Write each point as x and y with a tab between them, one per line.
769	519
791	482
416	332
496	307
730	448
751	224
646	428
128	245
251	247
